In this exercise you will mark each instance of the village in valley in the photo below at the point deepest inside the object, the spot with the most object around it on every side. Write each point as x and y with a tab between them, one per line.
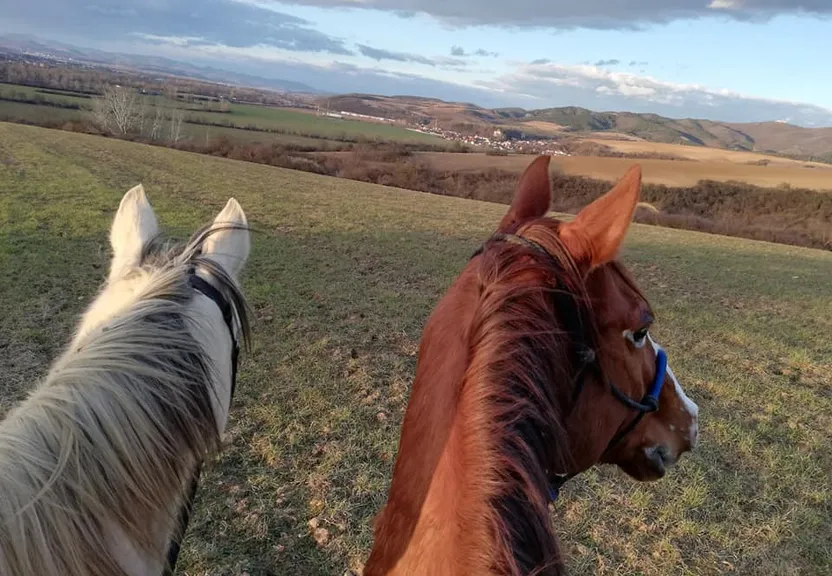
506	141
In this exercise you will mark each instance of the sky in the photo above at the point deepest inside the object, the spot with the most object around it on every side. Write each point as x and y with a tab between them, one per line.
728	60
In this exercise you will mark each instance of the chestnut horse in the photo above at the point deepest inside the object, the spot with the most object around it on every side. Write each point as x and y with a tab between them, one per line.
536	365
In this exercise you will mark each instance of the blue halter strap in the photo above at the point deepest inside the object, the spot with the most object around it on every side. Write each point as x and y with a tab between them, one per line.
648	404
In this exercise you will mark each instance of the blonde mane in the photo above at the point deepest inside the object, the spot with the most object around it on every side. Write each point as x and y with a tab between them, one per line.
101	450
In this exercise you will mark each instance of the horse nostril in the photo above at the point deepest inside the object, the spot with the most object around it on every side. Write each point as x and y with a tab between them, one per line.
662	455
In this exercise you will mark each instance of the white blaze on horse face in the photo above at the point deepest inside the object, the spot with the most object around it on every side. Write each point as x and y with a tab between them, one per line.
688	405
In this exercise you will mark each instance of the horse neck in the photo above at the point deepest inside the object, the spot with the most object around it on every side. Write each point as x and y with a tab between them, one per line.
77	416
204	322
468	494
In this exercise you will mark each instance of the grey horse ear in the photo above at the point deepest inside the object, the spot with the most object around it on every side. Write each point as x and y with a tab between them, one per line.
134	225
229	247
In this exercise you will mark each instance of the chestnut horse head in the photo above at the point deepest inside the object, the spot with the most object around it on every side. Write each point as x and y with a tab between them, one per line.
537	364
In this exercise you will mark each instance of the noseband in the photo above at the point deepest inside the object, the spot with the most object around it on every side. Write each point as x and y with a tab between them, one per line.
589	361
203	286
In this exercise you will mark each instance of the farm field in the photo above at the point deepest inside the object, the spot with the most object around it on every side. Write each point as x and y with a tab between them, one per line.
289	126
30	113
342	277
303	122
200	133
668	172
702	153
67	97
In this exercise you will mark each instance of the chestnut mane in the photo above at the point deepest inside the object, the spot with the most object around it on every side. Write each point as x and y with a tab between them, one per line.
503	357
531	325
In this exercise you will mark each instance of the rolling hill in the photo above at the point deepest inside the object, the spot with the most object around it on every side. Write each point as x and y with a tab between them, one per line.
562	122
769	137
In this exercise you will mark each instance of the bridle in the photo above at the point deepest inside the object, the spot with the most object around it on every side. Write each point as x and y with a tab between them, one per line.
201	285
589	361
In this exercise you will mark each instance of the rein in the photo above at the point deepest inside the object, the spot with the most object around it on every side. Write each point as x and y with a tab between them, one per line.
648	404
203	286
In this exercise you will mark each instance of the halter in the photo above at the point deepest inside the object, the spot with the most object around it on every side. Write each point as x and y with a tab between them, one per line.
201	285
648	404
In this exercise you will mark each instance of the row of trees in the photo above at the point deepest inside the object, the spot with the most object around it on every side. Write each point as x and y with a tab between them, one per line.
121	111
93	80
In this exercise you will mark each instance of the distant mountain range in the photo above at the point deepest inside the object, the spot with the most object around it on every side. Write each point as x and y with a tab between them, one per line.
768	137
24	44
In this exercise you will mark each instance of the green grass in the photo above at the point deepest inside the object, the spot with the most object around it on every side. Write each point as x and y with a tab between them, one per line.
291	127
34	113
199	133
270	118
341	279
16	90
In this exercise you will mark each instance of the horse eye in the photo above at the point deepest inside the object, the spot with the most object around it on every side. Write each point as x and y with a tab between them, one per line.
638	338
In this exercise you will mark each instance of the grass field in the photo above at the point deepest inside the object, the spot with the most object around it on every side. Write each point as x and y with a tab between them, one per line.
341	279
197	133
29	92
298	127
668	172
24	112
309	123
200	133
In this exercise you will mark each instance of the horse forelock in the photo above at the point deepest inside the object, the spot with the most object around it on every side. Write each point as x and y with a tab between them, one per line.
108	440
161	253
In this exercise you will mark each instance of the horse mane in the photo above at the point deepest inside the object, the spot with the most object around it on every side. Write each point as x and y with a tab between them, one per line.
533	315
106	442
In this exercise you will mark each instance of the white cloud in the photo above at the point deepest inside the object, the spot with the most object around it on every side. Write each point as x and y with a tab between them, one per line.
599	88
627	90
724	4
173	40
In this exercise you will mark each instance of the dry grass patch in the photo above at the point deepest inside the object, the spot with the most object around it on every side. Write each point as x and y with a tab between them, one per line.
702	153
667	172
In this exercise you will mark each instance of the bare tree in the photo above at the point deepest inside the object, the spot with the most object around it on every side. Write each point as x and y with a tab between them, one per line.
142	116
155	131
176	117
117	110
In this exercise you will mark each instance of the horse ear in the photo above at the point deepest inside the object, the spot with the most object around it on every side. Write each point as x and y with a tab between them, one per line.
133	226
230	245
596	233
532	197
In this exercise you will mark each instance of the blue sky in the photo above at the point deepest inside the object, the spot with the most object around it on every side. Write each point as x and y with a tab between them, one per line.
732	60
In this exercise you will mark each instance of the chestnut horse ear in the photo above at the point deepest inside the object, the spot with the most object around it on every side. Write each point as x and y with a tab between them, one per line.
532	197
596	233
